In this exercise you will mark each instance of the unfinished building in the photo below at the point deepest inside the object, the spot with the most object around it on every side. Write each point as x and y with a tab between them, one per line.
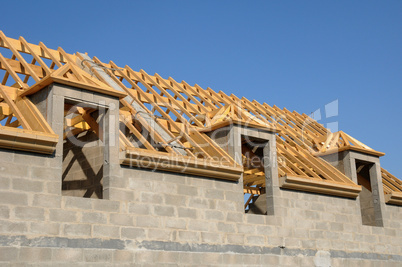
105	165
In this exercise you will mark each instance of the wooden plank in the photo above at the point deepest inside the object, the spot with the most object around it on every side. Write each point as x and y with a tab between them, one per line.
12	92
253	177
249	199
394	198
255	171
311	122
37	49
8	122
243	115
290	165
91	121
283	168
319	186
134	97
76	71
15	109
299	121
306	131
221	114
207	95
392	179
163	113
216	96
10	70
190	92
195	108
5	109
20	58
198	92
158	137
51	55
33	115
293	159
391	186
133	130
213	149
27	140
35	55
175	101
322	167
17	67
289	124
259	109
80	125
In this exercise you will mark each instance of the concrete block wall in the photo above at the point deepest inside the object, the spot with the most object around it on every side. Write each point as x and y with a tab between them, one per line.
168	218
367	207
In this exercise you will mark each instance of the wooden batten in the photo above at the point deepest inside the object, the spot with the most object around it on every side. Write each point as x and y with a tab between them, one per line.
319	186
61	80
181	164
26	140
253	190
237	122
394	198
357	149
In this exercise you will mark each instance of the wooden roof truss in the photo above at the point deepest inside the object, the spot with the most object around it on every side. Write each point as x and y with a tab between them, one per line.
341	141
23	126
162	117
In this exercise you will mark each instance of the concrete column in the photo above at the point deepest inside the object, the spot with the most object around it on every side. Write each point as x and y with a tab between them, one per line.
349	166
112	171
52	106
378	193
229	139
271	175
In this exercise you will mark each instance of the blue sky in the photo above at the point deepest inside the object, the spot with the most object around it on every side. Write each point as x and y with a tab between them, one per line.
300	55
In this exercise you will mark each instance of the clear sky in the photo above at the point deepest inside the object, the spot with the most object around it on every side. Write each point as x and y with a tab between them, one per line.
300	55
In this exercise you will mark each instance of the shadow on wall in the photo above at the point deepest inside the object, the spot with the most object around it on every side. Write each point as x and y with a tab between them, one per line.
83	167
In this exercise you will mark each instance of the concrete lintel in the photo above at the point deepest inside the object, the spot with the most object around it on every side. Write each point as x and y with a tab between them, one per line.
364	157
255	133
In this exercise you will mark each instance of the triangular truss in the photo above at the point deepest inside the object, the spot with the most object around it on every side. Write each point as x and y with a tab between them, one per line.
231	114
392	188
341	141
72	75
23	126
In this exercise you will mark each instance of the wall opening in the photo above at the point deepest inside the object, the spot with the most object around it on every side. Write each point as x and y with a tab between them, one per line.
83	150
367	205
254	181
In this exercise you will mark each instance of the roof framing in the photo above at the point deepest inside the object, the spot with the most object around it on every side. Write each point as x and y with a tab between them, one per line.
166	118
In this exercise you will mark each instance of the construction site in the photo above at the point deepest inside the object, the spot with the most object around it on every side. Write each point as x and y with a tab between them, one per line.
105	165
